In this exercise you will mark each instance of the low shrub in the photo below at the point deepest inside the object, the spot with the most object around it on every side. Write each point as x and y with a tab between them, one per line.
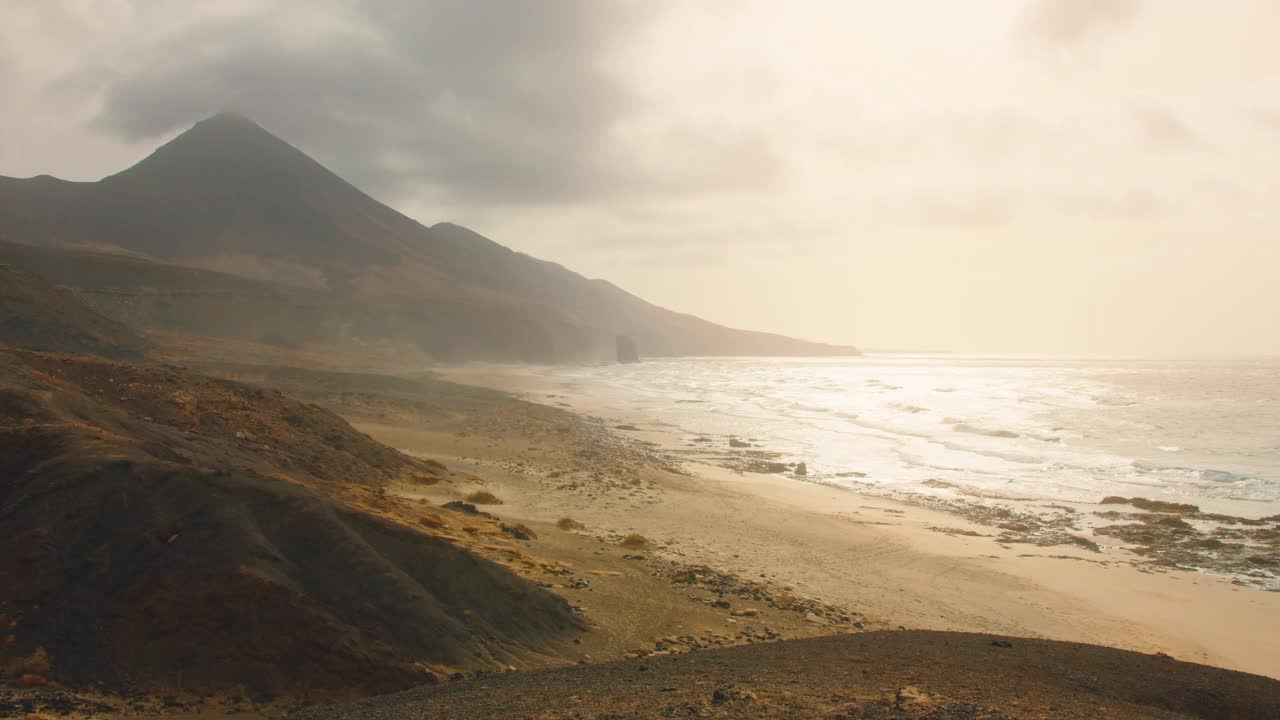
483	497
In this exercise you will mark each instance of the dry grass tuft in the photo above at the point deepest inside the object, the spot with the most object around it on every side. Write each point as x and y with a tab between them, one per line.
483	497
634	540
520	531
569	524
432	521
30	680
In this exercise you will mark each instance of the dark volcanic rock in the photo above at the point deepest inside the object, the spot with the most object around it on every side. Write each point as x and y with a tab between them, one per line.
1157	506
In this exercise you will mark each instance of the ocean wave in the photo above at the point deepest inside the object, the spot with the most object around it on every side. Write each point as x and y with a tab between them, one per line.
1115	402
808	408
975	430
913	409
1045	438
1219	477
1058	431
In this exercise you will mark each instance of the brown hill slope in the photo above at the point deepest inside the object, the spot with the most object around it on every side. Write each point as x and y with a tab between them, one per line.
35	314
170	298
230	196
163	530
879	675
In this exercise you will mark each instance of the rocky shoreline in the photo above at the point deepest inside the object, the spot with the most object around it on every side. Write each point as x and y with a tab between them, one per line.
1155	535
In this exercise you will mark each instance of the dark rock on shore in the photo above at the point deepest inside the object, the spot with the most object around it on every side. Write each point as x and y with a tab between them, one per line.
1157	506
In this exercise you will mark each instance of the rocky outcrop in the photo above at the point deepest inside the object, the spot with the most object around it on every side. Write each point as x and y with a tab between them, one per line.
627	352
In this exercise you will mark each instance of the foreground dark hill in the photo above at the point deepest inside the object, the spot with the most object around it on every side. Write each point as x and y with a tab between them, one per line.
36	314
229	196
164	531
887	674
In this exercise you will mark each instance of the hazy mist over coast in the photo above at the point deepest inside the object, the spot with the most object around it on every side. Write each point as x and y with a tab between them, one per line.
510	359
1056	176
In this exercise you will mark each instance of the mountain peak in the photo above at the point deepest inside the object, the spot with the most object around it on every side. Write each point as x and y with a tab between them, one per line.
228	117
226	122
227	129
227	148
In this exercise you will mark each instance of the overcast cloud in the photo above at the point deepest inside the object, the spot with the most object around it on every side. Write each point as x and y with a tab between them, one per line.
491	101
1071	21
1015	175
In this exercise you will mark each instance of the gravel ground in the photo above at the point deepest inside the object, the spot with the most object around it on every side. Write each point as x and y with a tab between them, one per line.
903	674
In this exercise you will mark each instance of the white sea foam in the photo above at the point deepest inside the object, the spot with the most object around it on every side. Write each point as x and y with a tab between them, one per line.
1065	430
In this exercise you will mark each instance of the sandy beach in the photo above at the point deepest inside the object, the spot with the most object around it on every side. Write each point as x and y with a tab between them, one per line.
662	561
890	563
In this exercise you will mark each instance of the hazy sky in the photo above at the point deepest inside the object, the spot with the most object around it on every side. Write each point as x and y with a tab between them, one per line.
1083	176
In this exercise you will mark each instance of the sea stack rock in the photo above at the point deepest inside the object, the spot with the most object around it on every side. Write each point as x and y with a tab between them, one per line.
627	352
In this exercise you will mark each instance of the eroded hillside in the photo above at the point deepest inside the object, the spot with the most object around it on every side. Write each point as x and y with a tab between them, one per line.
168	530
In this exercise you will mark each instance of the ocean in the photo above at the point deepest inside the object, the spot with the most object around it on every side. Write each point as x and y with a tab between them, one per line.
984	429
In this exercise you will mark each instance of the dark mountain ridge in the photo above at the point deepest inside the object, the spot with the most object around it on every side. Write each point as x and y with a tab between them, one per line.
35	314
229	196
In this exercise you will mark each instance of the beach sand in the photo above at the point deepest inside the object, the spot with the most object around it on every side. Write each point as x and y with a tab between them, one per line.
727	558
886	563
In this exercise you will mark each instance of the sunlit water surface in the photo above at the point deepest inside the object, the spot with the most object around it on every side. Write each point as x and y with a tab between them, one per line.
1061	430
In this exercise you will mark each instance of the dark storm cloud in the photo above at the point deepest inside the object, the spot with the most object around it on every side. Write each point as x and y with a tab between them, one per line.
1067	22
489	100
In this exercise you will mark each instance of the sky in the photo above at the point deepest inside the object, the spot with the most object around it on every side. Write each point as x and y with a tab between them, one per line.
1089	177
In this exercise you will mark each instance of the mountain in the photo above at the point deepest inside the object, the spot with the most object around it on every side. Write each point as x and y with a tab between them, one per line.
36	314
228	196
